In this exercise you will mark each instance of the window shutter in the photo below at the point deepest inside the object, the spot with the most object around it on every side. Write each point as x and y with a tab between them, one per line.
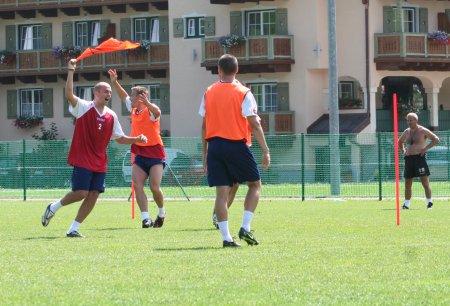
235	23
210	26
178	28
447	12
12	104
281	18
66	105
388	19
164	96
46	42
125	28
67	29
11	38
47	102
163	29
104	27
423	20
125	111
283	96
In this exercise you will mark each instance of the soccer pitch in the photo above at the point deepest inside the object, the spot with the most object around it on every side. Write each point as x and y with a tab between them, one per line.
313	252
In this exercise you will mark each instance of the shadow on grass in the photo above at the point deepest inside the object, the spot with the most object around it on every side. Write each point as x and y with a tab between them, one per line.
112	229
196	230
187	249
43	238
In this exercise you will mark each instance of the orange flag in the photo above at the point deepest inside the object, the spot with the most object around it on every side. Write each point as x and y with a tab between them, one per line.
110	45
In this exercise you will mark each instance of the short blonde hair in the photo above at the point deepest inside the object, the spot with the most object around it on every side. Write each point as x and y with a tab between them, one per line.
414	115
139	90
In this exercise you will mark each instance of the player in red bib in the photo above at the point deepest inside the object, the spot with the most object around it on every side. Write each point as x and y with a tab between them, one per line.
95	126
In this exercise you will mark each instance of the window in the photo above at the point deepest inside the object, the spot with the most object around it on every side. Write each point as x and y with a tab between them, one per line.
154	91
146	29
346	90
30	37
408	16
195	27
31	102
85	92
260	23
87	33
266	96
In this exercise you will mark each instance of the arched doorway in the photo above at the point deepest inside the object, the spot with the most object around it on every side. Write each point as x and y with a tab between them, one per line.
411	98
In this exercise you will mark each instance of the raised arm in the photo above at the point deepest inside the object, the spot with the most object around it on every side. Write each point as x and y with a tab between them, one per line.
71	65
120	91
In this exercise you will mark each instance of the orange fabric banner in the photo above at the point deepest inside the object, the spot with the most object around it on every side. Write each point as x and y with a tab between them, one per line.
109	45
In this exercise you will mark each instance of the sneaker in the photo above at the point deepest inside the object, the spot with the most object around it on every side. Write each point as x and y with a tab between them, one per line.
231	244
74	234
247	237
430	205
146	223
47	216
214	219
407	207
159	221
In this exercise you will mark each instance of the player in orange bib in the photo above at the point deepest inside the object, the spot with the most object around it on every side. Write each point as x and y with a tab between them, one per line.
227	109
150	157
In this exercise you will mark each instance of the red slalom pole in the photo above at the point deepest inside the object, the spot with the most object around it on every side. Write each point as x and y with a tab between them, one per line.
132	189
397	175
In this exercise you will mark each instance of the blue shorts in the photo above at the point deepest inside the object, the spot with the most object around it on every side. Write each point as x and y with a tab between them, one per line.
84	179
145	163
230	162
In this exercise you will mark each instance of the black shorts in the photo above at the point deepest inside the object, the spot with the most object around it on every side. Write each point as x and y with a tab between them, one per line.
416	165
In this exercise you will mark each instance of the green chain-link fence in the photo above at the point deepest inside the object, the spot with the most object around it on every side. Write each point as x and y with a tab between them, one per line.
300	168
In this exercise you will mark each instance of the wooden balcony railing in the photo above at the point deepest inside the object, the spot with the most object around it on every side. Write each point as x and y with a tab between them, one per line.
403	51
44	61
277	122
258	50
37	4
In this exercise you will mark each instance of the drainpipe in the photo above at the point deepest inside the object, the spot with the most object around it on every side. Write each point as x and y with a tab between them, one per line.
366	25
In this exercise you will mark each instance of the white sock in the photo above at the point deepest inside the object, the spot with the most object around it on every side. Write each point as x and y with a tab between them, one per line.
429	200
162	212
145	215
407	203
223	226
247	218
55	206
74	226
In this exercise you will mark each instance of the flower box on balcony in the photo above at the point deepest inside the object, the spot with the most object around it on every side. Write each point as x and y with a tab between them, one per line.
28	122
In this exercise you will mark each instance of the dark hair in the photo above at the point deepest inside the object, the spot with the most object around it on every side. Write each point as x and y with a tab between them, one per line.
228	63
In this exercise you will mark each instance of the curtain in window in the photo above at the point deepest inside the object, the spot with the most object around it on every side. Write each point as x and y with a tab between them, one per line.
155	31
95	33
28	40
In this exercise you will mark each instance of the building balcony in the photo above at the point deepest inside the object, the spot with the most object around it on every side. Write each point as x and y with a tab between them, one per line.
233	1
257	54
42	64
49	8
410	51
281	122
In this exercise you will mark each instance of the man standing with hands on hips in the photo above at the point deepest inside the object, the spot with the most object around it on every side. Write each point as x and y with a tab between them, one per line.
95	126
227	108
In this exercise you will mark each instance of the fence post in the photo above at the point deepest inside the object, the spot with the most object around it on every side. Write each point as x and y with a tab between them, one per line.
380	185
302	142
24	177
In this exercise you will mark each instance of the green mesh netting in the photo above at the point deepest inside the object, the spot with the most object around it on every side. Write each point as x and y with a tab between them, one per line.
303	166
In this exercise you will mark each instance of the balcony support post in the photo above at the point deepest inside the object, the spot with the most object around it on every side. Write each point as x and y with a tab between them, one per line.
432	99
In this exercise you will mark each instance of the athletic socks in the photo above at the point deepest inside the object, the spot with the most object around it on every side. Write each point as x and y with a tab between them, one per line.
223	226
247	218
162	212
145	215
407	203
55	206
74	226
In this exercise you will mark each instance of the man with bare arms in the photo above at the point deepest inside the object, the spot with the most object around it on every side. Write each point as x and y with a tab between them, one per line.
419	139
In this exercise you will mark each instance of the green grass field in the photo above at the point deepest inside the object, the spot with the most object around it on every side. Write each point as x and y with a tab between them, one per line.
312	252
